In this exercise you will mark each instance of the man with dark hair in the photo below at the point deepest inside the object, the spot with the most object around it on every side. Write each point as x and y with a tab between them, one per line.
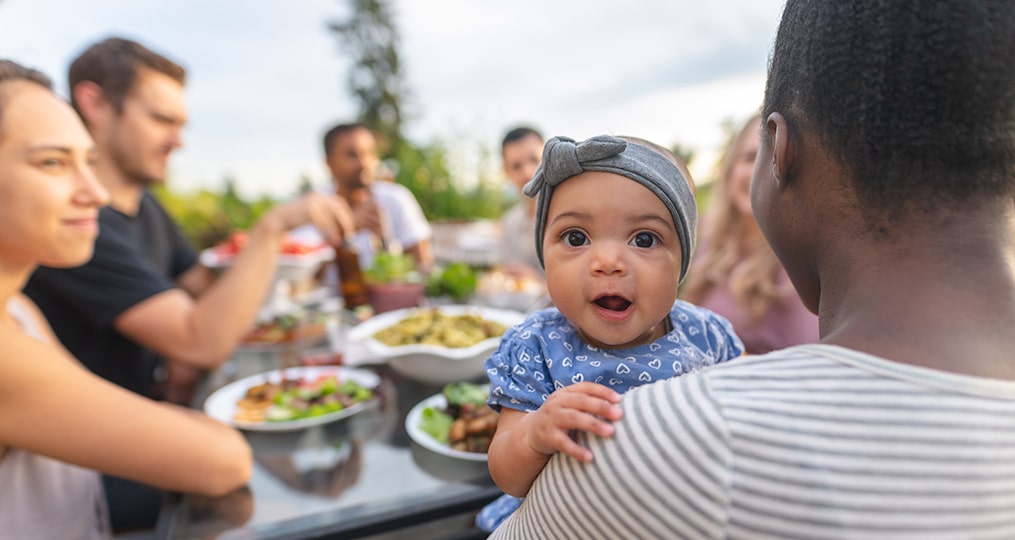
387	215
143	300
521	151
885	181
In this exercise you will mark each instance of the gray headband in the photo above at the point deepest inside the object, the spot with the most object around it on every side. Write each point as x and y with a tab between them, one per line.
564	158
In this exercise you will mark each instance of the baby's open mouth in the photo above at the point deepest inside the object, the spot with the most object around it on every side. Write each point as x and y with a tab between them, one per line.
613	303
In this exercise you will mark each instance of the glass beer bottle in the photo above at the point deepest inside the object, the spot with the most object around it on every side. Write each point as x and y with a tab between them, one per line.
350	276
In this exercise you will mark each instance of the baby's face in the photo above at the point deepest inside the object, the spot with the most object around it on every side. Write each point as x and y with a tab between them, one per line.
612	258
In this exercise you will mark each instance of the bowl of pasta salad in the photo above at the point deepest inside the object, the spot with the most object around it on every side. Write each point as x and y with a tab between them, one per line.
436	345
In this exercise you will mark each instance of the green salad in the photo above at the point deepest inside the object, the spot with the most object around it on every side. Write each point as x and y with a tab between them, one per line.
293	399
316	398
456	425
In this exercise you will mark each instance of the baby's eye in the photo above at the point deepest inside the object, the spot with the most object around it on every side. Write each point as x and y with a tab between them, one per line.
645	240
575	238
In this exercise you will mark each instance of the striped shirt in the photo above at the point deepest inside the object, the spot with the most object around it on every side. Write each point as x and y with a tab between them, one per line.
814	441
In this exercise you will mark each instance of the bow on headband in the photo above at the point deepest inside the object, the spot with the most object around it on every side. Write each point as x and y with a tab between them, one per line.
564	158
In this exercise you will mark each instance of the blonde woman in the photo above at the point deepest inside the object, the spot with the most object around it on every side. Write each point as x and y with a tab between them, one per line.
734	272
59	423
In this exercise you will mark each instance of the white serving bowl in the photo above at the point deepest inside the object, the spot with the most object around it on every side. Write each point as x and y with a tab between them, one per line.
438	458
433	364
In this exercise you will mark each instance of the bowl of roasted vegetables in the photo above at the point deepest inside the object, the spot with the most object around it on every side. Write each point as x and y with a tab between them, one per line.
451	432
436	345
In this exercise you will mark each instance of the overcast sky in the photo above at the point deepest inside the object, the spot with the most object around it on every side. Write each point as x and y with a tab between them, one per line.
266	77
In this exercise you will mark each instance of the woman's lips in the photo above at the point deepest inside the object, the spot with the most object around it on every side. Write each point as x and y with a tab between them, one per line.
83	224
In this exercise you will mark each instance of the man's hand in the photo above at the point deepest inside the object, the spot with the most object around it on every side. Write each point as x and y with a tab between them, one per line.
367	216
330	214
584	406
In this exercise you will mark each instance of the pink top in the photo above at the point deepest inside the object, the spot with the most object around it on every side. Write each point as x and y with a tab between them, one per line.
785	324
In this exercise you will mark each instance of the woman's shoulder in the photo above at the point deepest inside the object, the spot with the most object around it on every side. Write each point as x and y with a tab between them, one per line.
31	322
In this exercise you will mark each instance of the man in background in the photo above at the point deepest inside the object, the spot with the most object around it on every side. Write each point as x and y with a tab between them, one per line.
521	152
143	307
387	215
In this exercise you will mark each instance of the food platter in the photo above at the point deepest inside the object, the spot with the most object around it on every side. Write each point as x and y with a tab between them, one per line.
274	336
292	264
222	403
365	331
428	363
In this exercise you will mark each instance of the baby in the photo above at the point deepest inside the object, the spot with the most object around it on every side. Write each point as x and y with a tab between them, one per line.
615	229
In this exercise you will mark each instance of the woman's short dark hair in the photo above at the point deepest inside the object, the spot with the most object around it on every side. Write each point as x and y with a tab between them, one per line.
916	99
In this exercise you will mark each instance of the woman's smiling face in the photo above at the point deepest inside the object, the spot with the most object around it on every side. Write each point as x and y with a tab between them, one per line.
612	258
50	196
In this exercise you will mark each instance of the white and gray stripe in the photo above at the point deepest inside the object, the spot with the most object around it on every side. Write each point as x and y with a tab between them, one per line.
811	442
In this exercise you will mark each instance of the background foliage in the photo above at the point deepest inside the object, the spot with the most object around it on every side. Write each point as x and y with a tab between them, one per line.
369	38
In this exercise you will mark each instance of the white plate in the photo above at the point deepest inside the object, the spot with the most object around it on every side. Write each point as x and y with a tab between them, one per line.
289	266
214	259
364	332
422	438
221	404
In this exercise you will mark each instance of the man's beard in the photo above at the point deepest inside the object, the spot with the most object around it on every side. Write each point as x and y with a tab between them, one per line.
128	164
360	181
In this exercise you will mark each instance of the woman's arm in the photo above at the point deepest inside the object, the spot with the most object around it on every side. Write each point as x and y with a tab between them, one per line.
524	442
51	405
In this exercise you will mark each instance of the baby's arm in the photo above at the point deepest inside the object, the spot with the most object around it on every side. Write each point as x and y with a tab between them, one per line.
524	441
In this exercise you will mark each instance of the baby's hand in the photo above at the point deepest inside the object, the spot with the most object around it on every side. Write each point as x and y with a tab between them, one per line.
586	406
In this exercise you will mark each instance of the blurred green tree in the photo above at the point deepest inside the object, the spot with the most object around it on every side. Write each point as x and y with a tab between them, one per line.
207	217
684	152
370	38
375	79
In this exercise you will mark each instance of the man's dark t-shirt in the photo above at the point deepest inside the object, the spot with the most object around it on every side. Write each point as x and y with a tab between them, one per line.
135	258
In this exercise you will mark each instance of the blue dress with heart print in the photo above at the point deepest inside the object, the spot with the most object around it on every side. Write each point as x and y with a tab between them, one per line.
545	352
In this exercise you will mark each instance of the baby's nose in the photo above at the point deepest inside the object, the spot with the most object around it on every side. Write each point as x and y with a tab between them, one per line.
608	258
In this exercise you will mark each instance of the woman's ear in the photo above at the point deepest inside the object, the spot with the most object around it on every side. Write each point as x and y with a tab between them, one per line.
783	148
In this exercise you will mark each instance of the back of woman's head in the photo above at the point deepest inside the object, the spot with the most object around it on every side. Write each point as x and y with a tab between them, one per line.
915	99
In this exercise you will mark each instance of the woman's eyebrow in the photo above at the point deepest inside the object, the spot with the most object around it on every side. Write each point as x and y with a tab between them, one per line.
49	148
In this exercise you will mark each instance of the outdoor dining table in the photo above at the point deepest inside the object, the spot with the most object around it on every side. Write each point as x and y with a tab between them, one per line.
355	478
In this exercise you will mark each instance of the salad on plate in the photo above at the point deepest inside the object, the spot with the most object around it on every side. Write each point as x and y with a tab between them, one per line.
462	421
296	398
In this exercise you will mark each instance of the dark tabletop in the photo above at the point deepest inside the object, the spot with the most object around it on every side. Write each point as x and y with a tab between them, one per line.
355	478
